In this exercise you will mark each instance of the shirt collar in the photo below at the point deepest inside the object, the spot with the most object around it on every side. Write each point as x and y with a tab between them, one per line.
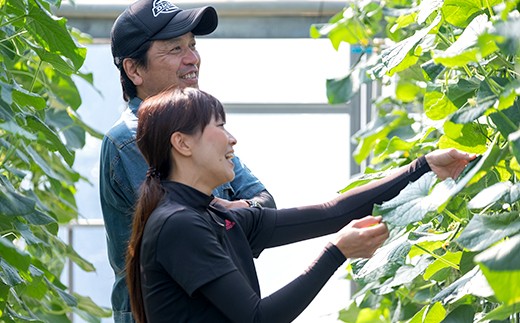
187	195
134	104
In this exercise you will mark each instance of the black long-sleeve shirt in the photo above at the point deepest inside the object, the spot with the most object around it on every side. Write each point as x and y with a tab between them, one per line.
197	258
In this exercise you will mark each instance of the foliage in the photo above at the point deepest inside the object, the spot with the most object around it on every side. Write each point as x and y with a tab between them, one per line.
450	69
39	134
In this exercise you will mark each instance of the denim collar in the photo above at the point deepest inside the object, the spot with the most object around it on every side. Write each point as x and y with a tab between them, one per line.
134	104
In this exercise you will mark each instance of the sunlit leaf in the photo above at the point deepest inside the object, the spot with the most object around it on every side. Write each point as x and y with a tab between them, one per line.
437	105
394	55
460	12
386	261
405	275
502	312
472	283
502	270
490	195
450	259
484	230
434	313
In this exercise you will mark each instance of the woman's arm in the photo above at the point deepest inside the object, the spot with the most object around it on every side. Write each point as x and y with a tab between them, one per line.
307	222
233	296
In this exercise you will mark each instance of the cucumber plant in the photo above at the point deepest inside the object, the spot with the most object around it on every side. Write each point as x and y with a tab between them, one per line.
450	71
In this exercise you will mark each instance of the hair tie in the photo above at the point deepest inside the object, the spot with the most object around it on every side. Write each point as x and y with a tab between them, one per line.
153	173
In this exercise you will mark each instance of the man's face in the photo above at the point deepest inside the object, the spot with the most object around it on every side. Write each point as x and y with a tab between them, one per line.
172	62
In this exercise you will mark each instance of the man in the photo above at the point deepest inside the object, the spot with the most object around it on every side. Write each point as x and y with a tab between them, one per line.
153	45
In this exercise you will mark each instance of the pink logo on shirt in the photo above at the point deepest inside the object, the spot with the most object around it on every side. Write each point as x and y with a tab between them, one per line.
229	224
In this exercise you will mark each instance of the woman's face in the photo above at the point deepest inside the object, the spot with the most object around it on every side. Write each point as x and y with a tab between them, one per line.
212	154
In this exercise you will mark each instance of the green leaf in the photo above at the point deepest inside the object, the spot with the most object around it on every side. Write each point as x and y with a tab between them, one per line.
12	203
466	137
426	8
52	34
69	299
342	90
385	261
13	255
514	142
394	55
432	70
502	312
74	135
9	275
52	140
464	89
462	51
472	283
414	202
86	304
407	91
485	230
492	194
461	314
449	259
505	120
437	105
460	12
434	313
501	266
405	275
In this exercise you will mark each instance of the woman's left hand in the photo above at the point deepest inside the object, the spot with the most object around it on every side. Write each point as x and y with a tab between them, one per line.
448	162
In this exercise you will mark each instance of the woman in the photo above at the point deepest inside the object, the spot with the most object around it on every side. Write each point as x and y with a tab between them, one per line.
191	260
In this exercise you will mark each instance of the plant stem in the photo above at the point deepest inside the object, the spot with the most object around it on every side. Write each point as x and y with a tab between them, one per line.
453	216
449	263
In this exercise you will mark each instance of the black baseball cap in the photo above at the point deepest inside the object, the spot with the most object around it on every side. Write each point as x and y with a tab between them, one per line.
147	20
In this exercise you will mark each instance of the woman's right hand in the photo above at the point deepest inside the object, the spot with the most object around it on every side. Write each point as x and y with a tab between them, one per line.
361	238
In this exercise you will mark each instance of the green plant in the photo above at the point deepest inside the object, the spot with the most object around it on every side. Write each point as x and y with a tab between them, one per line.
451	70
39	134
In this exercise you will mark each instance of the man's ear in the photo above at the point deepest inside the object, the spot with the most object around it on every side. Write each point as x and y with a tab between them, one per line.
181	143
133	71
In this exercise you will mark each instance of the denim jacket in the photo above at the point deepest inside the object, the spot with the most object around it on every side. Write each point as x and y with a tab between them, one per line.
122	169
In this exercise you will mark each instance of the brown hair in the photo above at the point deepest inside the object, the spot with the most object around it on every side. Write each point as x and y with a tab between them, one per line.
188	111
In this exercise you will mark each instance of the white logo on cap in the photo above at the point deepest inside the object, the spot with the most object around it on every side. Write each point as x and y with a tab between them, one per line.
163	6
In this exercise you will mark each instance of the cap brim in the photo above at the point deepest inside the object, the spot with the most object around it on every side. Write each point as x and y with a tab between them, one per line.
199	21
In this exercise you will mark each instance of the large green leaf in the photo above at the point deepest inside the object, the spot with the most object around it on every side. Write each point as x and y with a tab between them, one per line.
485	230
434	313
413	202
501	191
418	199
461	314
437	105
461	12
463	50
50	138
14	255
466	137
502	269
52	34
394	55
385	261
449	259
502	312
13	203
507	121
472	283
405	275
